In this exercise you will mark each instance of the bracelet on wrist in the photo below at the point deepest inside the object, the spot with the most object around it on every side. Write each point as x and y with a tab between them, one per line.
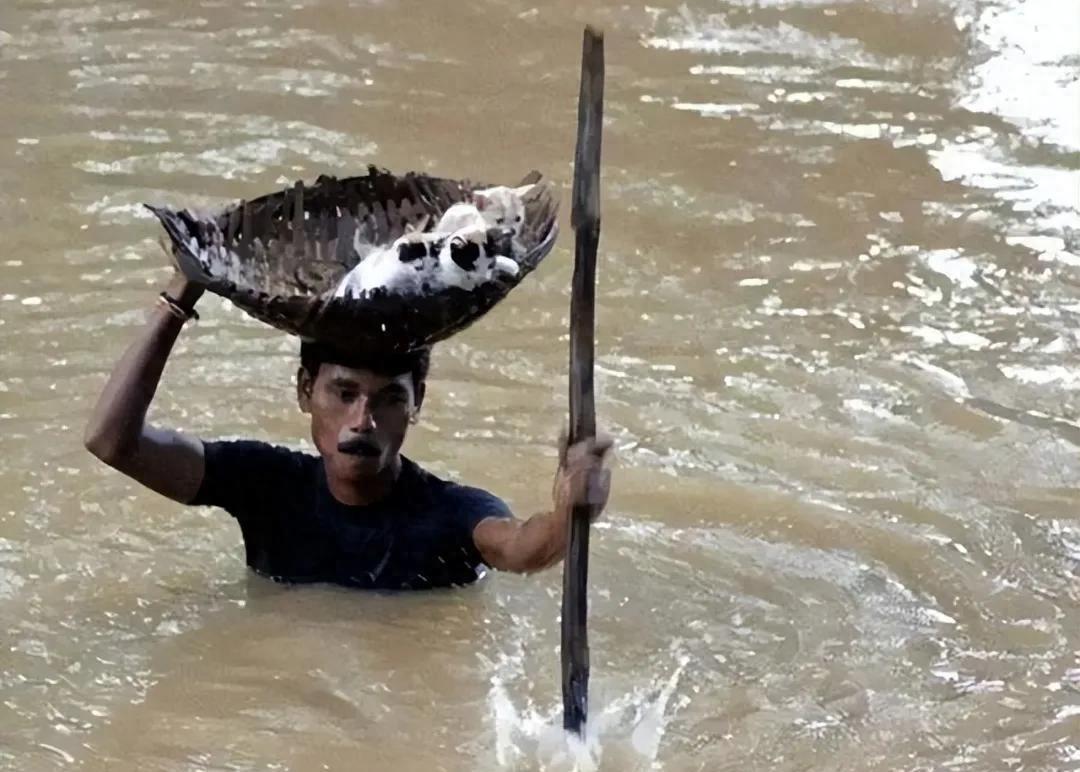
172	305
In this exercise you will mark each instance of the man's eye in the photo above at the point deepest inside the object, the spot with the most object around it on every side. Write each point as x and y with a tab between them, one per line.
388	398
348	396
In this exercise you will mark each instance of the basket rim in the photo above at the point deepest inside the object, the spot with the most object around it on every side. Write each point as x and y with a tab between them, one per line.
314	314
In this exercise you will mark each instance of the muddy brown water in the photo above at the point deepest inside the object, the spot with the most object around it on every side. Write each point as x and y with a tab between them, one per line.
838	311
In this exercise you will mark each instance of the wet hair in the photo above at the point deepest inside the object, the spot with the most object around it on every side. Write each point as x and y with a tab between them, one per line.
416	362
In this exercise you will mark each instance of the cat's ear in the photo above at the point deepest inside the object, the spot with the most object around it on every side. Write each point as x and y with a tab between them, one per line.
481	199
524	189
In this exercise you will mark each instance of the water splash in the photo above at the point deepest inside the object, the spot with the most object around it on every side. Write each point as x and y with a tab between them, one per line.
626	728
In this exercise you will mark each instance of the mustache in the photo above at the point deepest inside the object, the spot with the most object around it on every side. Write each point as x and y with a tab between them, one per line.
360	446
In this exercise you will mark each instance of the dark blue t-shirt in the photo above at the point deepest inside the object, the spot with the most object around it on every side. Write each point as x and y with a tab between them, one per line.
419	536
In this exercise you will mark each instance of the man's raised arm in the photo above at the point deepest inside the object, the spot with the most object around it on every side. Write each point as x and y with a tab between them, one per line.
525	547
165	461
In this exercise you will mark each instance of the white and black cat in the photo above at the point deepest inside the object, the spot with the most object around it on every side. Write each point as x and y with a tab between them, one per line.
472	256
469	245
424	262
402	267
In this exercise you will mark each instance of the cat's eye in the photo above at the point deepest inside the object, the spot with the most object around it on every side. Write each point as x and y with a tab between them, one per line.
518	218
499	220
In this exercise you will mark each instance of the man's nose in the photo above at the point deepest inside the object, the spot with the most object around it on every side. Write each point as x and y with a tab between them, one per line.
361	419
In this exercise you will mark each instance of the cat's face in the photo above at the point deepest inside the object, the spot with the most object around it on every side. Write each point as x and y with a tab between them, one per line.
474	251
503	207
469	252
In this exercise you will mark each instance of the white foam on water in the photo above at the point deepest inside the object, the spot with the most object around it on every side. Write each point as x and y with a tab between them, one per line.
865	406
954	385
859	130
1031	77
952	264
958	338
1029	81
1050	248
709	109
1067	712
63	755
1026	186
650	727
937	616
630	725
1062	377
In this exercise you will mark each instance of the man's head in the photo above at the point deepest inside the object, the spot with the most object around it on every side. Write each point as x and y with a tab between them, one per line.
360	406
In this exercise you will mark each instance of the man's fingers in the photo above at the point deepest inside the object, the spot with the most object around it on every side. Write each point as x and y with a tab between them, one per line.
598	446
590	485
598	485
601	444
575	454
582	477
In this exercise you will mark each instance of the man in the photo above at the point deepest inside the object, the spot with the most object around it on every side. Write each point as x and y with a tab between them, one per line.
359	514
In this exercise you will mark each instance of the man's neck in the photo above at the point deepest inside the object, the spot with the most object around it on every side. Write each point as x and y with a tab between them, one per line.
364	491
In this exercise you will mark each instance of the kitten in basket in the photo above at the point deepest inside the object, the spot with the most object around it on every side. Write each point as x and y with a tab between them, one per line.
498	207
469	245
425	262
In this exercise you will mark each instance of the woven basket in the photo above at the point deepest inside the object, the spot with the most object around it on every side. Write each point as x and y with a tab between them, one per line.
279	257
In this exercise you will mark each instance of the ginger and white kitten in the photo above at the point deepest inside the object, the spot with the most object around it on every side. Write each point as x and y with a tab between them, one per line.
498	207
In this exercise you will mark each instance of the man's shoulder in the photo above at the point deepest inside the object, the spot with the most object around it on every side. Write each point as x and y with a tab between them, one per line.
256	451
456	496
252	467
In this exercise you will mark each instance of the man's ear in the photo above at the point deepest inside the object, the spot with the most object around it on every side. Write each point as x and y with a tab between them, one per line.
304	384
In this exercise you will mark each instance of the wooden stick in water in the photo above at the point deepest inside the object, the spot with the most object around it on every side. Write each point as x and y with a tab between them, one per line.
585	219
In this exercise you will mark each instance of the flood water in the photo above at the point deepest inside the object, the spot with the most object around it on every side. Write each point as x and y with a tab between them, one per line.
838	320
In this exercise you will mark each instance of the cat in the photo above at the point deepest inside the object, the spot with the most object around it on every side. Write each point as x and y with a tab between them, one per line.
498	207
474	255
402	268
462	250
419	262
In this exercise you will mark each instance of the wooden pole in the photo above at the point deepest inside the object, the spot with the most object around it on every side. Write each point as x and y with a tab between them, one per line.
585	219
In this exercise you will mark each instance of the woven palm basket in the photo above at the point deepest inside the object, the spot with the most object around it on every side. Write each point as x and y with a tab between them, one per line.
279	257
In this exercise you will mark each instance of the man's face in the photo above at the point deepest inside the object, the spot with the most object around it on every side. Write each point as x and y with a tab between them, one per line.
358	418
